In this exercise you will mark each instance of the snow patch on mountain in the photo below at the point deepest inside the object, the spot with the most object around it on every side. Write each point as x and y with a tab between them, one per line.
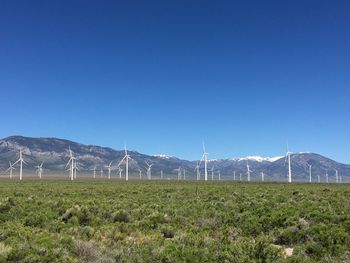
258	159
162	156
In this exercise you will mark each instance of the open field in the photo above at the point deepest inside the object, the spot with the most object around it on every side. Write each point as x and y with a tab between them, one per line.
101	221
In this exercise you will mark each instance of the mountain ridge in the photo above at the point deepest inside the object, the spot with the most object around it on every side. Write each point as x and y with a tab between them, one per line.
55	154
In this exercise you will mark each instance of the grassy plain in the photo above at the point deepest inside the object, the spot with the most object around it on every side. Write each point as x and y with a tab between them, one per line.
140	221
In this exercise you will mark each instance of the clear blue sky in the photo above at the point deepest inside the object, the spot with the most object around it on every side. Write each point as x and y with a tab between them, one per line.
244	76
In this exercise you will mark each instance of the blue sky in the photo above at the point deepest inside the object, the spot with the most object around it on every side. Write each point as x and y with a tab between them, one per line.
244	76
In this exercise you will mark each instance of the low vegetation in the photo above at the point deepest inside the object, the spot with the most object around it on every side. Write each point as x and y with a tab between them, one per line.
87	221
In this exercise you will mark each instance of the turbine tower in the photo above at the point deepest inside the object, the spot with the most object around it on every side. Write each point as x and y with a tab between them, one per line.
75	169
262	177
126	159
39	169
11	168
161	174
288	153
336	176
178	173
71	164
184	173
101	172
149	171
197	171
248	171
140	173
94	172
205	158
109	169
212	173
21	162
120	170
234	175
219	175
310	172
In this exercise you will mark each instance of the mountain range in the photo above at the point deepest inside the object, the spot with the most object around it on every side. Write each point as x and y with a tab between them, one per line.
54	153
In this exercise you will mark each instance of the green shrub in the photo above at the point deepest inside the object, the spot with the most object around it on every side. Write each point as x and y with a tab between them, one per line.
121	216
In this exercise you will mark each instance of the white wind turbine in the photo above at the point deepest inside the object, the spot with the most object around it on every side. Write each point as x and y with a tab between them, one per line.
94	172
248	171
39	169
126	159
205	158
219	175
120	170
149	170
336	176
184	173
240	176
71	164
11	168
178	173
262	177
21	162
109	169
234	175
288	153
310	172
212	173
75	169
161	174
197	171
326	175
101	172
140	173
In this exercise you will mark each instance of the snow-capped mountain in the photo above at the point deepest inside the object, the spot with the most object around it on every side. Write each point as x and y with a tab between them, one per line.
54	153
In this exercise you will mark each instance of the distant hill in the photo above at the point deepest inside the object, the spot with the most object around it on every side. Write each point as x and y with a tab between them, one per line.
54	153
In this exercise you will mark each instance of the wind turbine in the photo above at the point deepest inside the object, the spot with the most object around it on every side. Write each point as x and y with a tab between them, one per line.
126	159
205	158
149	171
140	173
248	171
161	174
198	172
101	172
11	168
288	153
75	169
262	177
70	163
310	172
326	176
184	173
336	176
39	169
94	172
219	175
234	175
240	176
212	173
21	162
178	173
120	170
109	169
